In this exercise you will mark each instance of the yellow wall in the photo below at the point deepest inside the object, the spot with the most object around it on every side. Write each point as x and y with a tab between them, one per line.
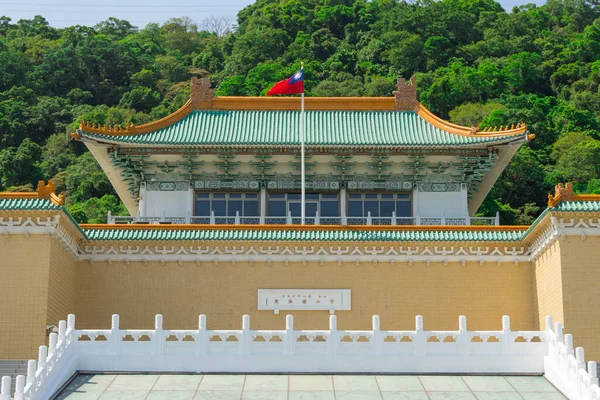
61	284
581	292
24	294
225	292
548	287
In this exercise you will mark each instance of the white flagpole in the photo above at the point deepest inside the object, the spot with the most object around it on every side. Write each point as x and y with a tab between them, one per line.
303	124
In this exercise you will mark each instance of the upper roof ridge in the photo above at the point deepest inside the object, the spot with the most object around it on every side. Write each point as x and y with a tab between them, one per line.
202	98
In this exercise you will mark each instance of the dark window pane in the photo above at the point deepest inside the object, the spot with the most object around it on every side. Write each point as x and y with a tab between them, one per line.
355	196
219	207
276	208
235	195
370	196
233	206
355	209
373	207
329	196
312	196
387	196
293	196
403	209
276	196
295	209
311	209
218	195
202	195
403	196
386	208
251	196
250	208
329	209
203	208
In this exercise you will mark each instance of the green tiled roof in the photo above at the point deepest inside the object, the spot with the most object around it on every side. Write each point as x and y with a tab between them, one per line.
301	235
323	128
27	204
577	206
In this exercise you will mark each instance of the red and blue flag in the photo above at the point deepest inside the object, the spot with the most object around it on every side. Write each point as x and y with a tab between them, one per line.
293	85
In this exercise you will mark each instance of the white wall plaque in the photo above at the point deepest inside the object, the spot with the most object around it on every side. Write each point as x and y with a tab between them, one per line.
304	299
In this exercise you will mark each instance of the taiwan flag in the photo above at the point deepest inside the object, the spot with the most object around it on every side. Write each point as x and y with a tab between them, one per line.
293	85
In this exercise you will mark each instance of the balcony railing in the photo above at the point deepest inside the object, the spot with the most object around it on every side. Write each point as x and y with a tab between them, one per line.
309	220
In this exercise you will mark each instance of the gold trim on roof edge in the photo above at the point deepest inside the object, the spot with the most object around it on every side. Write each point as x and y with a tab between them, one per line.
43	191
201	98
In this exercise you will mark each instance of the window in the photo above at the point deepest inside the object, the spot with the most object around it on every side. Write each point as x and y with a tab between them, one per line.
227	204
379	204
280	203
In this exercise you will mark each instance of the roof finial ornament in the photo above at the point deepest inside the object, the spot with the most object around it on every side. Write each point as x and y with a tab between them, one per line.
406	95
200	93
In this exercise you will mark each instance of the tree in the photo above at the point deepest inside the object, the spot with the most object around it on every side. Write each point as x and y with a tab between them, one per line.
577	158
20	166
116	29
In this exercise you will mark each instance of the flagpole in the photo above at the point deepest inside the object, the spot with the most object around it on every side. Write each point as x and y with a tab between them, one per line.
302	128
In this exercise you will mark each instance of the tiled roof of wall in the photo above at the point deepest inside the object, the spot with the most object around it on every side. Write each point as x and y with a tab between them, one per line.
577	206
27	204
323	128
302	235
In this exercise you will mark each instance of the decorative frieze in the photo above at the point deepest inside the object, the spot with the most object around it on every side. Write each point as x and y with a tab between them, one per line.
331	300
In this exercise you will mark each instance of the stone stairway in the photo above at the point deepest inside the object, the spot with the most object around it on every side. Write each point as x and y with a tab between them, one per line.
13	368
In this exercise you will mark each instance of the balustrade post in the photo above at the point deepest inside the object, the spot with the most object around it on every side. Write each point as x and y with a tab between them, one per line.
114	339
289	218
497	220
333	338
376	338
580	357
42	357
109	218
558	330
468	220
62	330
443	220
212	218
505	339
569	344
317	219
592	369
202	335
289	340
246	339
31	368
463	335
188	218
420	341
5	388
158	335
417	219
237	218
394	218
70	322
137	216
20	388
52	342
369	220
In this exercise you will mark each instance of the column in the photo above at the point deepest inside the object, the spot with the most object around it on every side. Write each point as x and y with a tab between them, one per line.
343	205
191	197
263	204
142	203
415	204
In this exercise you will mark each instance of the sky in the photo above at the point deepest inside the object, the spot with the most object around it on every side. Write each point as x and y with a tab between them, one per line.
61	13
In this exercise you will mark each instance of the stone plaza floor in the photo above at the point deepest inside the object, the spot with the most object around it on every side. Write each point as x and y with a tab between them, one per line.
308	387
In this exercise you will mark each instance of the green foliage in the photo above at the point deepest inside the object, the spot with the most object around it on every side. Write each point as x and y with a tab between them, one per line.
475	64
95	210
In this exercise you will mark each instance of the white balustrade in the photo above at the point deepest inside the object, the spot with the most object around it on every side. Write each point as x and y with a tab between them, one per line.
309	220
317	351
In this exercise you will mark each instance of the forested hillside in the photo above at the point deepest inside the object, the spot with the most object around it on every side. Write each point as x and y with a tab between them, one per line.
474	63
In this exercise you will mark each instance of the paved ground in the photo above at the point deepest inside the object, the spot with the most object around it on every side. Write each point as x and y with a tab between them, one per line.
308	387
